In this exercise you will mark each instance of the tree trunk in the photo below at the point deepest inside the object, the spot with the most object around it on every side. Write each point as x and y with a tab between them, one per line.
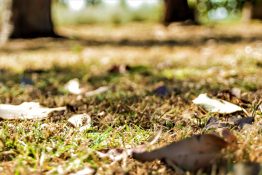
5	19
177	11
31	19
257	10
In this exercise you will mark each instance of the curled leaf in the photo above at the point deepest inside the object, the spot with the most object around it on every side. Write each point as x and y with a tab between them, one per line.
82	121
216	105
192	153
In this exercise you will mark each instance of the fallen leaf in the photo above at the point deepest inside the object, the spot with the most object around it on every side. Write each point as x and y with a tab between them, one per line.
26	110
192	153
216	105
73	86
236	92
97	91
82	121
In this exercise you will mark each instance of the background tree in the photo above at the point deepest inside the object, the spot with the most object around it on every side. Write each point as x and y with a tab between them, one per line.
256	10
251	9
177	10
93	2
31	18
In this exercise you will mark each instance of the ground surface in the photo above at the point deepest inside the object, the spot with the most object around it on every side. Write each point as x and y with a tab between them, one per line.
184	60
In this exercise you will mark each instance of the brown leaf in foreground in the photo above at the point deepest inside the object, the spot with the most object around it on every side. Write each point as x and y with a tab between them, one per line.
192	153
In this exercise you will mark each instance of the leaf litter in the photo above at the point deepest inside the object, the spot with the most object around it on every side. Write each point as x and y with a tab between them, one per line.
97	91
216	105
73	86
191	154
81	121
26	110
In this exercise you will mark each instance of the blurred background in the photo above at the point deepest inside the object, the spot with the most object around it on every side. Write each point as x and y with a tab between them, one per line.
107	11
122	11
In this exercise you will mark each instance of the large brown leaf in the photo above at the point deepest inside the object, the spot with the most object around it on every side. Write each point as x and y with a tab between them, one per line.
192	153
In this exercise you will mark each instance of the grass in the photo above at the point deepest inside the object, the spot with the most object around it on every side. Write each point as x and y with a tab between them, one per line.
187	60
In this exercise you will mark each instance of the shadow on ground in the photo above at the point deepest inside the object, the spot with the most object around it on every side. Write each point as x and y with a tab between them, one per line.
58	43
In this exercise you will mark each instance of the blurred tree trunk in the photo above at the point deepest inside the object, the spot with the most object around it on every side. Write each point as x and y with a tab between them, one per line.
252	10
246	12
5	6
177	11
31	18
257	10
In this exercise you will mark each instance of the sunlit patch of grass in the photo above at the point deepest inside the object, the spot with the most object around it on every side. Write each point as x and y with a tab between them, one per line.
60	144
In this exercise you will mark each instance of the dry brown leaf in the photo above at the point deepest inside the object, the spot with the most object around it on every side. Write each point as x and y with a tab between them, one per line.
193	153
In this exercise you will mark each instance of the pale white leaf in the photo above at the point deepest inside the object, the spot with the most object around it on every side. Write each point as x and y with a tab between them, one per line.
80	121
26	110
216	105
236	92
83	128
73	86
97	91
